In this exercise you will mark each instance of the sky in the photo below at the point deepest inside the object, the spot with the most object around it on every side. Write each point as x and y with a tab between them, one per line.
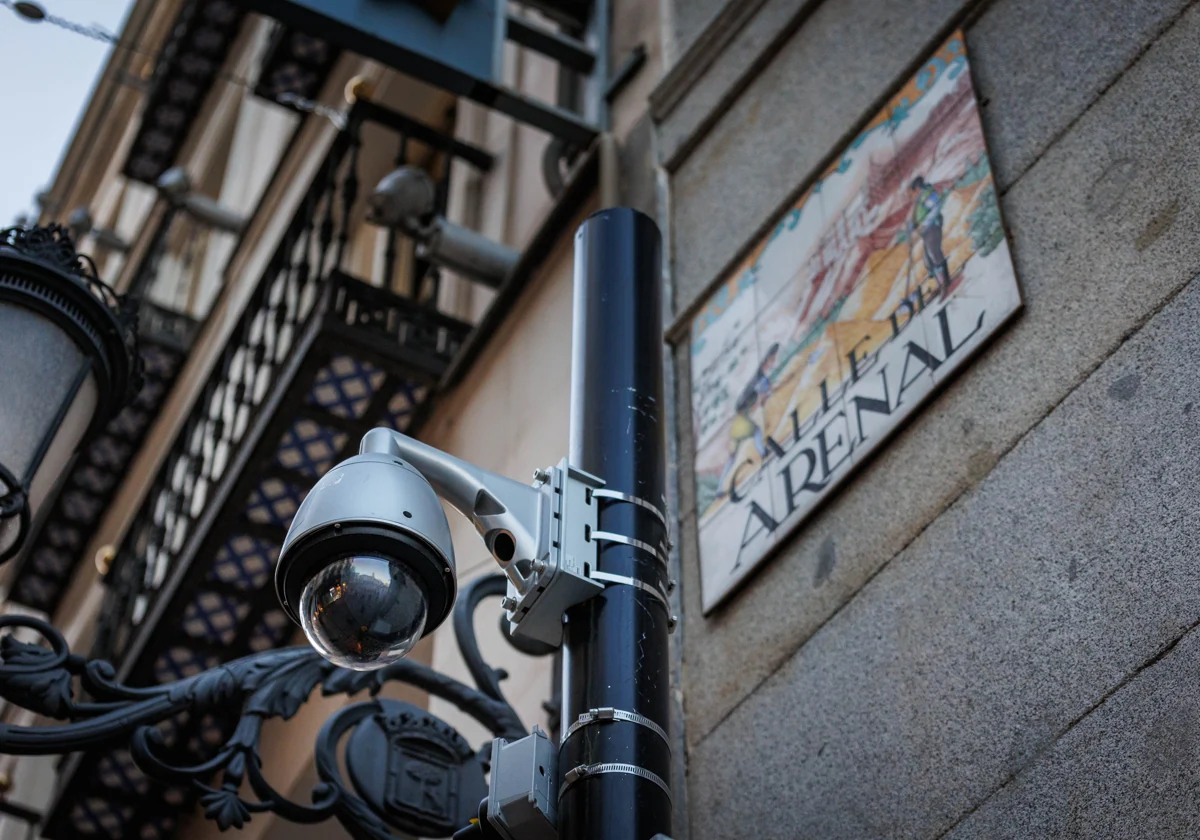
49	75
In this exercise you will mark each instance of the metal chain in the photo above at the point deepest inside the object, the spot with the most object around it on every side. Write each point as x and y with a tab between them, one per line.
308	106
97	33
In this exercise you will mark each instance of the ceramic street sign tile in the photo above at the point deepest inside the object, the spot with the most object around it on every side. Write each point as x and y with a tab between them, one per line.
873	288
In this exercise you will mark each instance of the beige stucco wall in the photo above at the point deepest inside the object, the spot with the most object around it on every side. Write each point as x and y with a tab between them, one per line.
510	415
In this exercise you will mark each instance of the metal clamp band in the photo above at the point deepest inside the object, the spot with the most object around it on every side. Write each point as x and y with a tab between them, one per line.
608	536
648	588
607	713
583	771
618	496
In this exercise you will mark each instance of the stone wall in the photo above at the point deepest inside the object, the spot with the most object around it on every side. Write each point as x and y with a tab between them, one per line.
1002	651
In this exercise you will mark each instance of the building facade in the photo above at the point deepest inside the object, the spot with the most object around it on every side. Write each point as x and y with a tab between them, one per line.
957	602
272	345
987	630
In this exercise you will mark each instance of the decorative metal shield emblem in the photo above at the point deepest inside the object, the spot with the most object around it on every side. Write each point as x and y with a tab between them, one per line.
415	771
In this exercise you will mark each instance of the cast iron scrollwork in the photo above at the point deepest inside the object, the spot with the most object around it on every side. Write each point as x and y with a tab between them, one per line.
14	514
408	770
53	246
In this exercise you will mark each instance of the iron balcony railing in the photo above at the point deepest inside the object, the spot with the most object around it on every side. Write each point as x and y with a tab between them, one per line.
303	280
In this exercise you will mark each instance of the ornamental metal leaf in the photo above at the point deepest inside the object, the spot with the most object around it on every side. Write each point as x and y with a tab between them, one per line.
215	687
283	695
226	808
38	685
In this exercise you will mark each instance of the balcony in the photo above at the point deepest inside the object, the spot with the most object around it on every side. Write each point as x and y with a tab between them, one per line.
316	359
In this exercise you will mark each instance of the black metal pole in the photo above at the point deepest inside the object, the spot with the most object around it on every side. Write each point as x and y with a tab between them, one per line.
616	769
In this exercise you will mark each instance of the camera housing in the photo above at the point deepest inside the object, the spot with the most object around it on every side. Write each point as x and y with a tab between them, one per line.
367	567
371	505
406	200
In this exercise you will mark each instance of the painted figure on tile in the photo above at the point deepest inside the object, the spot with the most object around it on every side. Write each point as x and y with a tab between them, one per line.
927	220
744	427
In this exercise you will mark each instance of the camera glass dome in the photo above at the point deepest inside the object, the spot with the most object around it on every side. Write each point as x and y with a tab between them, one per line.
363	611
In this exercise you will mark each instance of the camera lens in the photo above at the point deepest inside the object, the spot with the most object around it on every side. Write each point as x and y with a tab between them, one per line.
363	611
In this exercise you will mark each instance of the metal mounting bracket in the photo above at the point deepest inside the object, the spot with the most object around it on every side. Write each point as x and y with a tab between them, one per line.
537	600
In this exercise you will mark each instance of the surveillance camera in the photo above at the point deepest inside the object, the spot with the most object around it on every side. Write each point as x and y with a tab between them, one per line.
406	200
176	187
402	199
367	567
174	183
79	222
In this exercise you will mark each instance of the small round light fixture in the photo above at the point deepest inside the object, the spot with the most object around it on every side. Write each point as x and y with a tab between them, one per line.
70	363
359	87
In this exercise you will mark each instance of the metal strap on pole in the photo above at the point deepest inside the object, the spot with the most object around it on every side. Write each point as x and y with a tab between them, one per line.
605	715
618	496
583	771
655	552
648	588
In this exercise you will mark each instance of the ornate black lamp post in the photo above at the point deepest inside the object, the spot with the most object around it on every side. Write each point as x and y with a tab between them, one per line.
406	767
367	568
68	364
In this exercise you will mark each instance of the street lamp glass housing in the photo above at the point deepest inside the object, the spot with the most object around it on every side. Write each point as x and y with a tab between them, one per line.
39	430
69	365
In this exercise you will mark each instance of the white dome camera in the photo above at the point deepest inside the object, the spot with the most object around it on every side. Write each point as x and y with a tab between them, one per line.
367	567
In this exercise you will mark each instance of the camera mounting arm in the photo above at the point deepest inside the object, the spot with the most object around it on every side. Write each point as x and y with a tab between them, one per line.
540	535
510	517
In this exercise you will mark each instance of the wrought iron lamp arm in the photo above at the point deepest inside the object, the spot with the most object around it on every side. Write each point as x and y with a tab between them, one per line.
14	502
484	675
269	684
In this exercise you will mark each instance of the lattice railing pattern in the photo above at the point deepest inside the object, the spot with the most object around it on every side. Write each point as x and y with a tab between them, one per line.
239	383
